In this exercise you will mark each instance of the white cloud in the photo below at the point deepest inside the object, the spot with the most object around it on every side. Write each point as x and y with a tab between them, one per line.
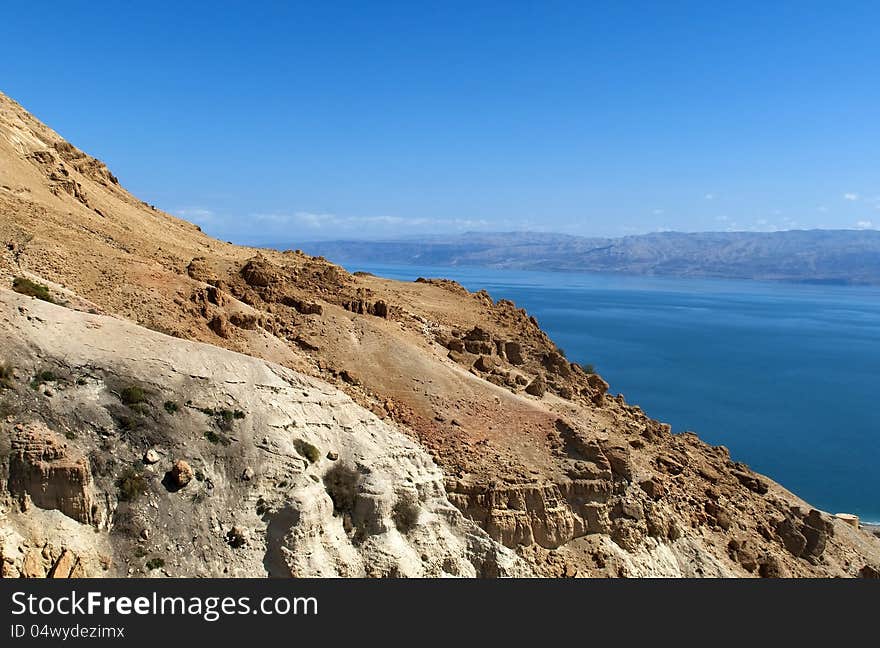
709	196
822	208
198	215
658	212
851	196
864	224
390	224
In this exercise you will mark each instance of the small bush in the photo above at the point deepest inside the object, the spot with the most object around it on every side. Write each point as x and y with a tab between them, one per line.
588	368
6	376
132	395
238	414
131	484
171	407
27	287
70	435
406	512
226	415
307	450
155	563
42	377
217	438
342	484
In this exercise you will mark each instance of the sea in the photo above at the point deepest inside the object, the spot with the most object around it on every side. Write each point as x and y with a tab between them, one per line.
785	375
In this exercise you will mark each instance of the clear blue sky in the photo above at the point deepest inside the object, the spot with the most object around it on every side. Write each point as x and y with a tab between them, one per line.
298	121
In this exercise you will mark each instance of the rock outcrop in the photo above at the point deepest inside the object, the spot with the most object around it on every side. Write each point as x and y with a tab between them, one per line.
250	498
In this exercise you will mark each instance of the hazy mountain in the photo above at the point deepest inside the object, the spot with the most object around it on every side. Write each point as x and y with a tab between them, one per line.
820	256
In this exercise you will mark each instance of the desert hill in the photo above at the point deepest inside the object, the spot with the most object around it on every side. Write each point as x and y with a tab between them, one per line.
560	477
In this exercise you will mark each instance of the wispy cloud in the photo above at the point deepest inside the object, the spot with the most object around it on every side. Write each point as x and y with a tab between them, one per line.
198	215
333	223
851	196
709	196
864	224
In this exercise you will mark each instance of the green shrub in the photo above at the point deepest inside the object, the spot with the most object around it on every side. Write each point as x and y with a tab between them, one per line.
155	563
588	368
132	395
216	438
131	484
342	484
307	450
42	377
27	287
70	434
6	375
406	512
171	407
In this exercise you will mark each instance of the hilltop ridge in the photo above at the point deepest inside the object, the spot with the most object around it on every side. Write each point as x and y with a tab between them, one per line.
811	256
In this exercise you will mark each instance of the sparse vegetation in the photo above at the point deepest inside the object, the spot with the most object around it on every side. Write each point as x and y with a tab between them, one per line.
171	407
30	288
217	438
7	409
307	450
132	395
588	368
406	512
42	377
7	374
342	483
131	484
155	563
70	434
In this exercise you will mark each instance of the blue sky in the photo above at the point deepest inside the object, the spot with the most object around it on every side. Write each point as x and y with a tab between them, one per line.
284	121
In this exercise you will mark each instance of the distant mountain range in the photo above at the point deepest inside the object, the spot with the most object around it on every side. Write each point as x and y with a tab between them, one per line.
812	256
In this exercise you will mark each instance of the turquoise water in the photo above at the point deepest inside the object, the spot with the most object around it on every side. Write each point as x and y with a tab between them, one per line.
785	375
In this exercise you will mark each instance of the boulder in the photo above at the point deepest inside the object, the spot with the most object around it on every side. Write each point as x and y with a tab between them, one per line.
513	353
181	473
258	272
538	386
486	363
555	363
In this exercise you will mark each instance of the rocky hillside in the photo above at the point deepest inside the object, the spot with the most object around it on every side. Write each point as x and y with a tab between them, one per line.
131	453
547	472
